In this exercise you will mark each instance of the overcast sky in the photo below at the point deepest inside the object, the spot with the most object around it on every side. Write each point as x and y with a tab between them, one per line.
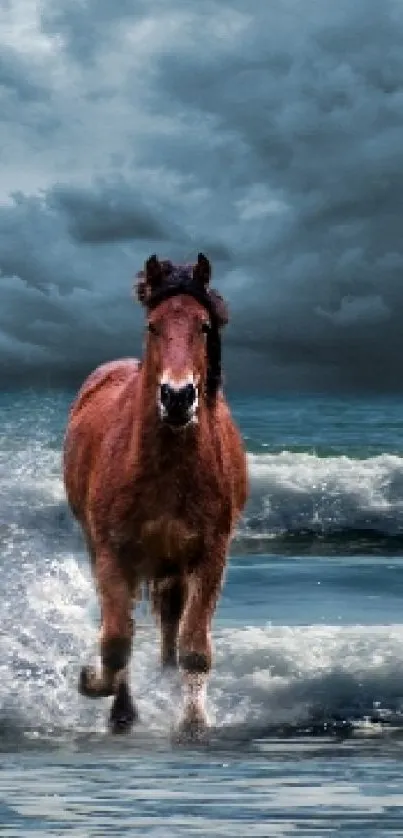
267	134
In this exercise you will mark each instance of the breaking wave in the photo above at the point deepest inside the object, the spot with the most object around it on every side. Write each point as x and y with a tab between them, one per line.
300	498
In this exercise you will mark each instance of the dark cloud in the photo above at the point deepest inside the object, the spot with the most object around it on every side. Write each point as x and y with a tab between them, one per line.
268	135
86	27
111	212
15	81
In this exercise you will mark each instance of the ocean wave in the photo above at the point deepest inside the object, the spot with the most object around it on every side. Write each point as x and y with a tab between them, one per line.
300	498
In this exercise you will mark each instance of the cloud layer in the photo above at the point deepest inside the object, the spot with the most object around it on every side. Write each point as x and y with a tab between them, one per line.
268	135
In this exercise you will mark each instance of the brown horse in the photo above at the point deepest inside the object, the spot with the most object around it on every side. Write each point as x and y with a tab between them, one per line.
155	472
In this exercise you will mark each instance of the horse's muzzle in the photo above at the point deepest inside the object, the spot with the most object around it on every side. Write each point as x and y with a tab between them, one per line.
178	405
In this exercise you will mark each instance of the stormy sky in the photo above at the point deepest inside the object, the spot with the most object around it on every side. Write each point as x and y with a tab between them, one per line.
267	134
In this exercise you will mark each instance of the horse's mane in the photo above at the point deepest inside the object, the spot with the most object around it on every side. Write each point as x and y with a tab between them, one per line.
185	279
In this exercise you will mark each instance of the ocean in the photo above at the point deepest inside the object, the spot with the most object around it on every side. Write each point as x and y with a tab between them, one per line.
306	694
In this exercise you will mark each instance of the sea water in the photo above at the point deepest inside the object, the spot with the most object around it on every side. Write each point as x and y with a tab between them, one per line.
306	694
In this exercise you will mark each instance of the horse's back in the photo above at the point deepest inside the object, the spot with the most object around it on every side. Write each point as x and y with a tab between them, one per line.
96	404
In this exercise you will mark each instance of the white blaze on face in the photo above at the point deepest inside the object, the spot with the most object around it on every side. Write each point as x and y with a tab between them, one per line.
176	383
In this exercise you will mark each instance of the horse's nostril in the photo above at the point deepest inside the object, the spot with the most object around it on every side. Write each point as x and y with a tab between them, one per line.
165	394
189	394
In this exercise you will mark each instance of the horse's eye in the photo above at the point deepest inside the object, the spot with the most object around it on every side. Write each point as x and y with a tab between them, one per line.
205	327
152	328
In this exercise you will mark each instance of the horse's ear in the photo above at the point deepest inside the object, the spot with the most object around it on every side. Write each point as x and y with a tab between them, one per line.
202	269
147	279
153	271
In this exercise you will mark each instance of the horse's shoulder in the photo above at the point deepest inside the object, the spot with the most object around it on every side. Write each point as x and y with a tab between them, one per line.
233	455
106	381
229	434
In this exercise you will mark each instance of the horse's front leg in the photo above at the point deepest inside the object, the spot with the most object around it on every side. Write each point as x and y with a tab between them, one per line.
168	599
115	642
195	646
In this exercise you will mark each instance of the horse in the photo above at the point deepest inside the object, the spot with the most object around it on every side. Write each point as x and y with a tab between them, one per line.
155	473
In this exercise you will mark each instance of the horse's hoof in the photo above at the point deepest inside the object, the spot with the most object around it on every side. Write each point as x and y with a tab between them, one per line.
192	730
123	713
91	685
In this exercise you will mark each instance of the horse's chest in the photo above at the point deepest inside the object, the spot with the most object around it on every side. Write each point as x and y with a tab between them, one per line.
169	518
162	522
167	494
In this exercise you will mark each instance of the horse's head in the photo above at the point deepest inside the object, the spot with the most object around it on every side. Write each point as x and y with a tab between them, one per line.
177	351
183	343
